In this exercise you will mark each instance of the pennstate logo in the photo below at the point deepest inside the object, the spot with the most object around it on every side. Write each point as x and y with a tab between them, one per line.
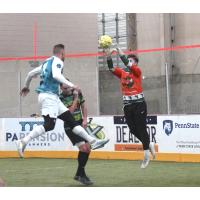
168	126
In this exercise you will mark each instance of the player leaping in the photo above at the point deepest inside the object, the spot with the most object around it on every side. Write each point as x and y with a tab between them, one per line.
51	107
135	108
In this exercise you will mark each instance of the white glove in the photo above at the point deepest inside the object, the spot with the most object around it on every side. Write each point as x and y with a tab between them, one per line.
109	51
120	52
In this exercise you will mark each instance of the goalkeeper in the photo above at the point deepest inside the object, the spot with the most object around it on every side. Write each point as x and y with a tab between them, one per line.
75	102
135	109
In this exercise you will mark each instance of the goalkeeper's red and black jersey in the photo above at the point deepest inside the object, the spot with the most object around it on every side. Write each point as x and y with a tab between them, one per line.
131	82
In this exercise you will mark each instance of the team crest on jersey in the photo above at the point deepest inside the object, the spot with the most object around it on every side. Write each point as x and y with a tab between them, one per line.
58	65
128	82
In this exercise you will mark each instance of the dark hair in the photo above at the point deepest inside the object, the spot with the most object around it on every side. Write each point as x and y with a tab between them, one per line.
57	48
134	57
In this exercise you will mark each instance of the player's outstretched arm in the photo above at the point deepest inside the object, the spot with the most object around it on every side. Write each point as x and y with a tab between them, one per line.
122	56
108	54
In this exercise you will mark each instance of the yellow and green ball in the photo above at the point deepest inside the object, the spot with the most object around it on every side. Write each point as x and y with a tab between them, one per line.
105	41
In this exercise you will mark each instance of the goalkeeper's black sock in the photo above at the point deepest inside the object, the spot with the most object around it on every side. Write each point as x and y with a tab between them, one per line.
82	160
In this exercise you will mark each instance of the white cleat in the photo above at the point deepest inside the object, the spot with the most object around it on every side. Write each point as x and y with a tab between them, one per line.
146	160
99	144
20	148
145	163
152	150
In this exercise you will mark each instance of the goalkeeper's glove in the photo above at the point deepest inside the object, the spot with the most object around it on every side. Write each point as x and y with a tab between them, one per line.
120	52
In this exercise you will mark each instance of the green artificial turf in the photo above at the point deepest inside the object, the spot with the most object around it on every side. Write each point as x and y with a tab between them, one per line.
104	173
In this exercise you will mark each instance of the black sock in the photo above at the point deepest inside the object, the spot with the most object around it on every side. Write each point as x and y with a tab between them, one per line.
82	160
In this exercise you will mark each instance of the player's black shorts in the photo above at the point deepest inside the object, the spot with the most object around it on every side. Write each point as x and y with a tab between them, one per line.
72	136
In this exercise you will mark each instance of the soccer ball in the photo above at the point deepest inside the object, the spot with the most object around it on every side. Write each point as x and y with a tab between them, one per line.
105	41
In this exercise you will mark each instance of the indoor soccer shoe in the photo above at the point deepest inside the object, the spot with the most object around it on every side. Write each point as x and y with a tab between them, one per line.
145	162
152	150
20	148
83	179
99	143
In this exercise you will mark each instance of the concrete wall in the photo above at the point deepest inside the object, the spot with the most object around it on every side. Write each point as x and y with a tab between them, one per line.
16	38
186	71
187	31
110	95
151	34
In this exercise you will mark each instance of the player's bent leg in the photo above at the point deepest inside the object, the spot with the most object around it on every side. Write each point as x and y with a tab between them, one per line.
80	131
21	144
95	143
68	118
84	147
49	124
140	121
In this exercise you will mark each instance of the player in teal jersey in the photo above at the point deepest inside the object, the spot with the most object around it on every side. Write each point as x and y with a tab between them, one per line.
51	75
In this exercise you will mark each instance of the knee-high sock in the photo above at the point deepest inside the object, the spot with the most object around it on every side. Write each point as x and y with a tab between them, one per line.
82	160
37	131
80	131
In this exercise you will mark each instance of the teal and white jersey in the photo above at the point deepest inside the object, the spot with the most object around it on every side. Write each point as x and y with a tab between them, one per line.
51	74
48	83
